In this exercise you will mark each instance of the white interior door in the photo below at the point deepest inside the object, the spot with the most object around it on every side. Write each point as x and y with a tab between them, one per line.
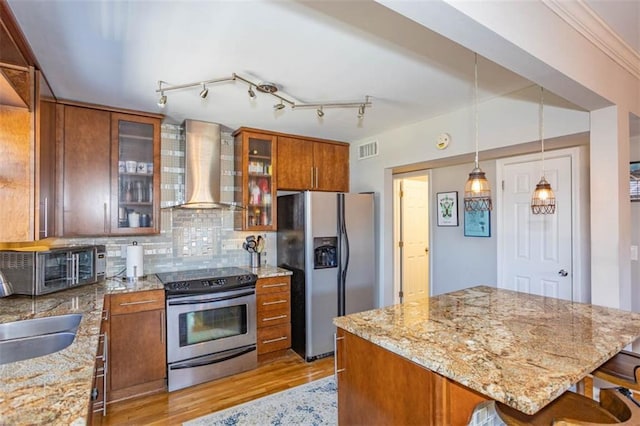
536	253
414	213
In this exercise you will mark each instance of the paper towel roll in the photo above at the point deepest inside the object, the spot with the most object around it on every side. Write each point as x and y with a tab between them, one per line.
134	261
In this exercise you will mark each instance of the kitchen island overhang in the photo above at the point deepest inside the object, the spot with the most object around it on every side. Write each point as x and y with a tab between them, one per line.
519	349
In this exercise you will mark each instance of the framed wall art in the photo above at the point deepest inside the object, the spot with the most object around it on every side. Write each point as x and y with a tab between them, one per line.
634	180
447	208
477	223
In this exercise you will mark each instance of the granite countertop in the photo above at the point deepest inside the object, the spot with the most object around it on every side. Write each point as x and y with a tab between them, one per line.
516	348
56	388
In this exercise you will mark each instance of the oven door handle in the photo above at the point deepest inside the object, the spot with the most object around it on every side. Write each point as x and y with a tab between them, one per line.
211	300
224	356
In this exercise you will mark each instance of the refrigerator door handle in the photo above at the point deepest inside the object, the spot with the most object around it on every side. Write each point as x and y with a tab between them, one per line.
343	243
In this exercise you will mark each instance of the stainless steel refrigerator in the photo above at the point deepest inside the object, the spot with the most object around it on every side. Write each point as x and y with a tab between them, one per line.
327	240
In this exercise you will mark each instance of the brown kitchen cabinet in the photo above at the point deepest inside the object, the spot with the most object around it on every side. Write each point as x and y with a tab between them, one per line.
137	344
273	298
367	374
255	164
96	192
311	164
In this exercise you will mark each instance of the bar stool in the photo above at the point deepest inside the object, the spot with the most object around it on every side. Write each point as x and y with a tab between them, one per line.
622	370
572	409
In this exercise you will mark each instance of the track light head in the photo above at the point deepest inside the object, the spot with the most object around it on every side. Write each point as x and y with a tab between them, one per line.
162	101
320	112
251	93
279	106
361	111
204	92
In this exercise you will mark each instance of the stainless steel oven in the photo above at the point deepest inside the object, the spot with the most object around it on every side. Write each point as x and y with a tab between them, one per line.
211	324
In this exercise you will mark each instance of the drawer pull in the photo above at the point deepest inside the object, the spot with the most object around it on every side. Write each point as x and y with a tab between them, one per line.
276	302
274	318
274	285
278	339
141	302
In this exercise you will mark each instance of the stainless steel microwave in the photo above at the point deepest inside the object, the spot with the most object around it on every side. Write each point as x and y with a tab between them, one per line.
41	272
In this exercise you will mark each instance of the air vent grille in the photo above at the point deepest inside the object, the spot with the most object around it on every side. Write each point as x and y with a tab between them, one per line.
16	260
367	150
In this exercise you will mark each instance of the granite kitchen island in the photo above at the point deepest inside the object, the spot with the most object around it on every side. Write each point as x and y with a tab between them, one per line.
439	357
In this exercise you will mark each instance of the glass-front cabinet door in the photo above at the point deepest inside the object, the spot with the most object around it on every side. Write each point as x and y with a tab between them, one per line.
136	154
255	174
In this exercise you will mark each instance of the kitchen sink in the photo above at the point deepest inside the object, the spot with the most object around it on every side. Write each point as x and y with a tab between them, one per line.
40	326
31	347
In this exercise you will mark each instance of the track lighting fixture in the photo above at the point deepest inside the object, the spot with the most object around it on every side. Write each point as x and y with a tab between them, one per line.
264	87
543	200
477	192
204	92
162	100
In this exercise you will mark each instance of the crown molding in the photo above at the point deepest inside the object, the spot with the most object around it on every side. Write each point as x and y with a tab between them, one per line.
587	22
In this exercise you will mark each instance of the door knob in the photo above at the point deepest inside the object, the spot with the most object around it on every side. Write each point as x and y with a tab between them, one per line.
563	273
426	249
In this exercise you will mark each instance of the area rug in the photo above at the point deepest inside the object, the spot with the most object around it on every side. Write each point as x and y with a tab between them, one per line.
313	403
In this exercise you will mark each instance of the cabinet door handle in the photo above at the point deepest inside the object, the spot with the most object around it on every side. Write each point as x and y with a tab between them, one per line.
162	326
46	217
335	357
316	169
277	339
104	379
276	302
312	176
274	318
141	302
104	216
274	285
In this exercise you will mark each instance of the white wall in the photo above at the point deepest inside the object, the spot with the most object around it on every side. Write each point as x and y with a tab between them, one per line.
635	231
457	261
504	121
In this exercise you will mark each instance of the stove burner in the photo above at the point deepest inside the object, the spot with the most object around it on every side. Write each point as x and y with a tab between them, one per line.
206	280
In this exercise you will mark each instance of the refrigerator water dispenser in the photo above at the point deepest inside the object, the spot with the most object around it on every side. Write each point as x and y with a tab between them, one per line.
325	252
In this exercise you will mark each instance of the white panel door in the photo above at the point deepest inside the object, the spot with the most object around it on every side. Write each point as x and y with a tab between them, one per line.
415	238
537	248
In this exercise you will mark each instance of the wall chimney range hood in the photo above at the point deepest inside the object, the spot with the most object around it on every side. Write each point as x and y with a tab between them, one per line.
202	167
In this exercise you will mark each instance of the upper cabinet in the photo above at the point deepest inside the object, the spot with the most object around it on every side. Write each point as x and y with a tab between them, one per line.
135	149
310	164
255	157
109	177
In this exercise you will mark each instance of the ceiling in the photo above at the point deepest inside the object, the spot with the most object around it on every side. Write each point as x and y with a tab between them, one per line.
115	52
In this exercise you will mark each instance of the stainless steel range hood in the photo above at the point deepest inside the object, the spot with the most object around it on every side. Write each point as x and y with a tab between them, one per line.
202	166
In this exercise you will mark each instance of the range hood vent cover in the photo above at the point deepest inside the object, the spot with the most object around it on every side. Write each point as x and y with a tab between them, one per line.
202	167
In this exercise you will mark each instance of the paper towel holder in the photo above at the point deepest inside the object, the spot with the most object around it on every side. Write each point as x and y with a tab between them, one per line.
134	262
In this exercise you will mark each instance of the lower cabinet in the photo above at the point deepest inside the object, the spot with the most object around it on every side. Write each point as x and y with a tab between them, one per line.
137	348
376	386
273	297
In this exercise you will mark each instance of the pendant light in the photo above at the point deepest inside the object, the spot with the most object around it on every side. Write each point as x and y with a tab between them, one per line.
477	192
543	200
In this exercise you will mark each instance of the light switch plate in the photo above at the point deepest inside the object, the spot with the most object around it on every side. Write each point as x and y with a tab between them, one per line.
634	252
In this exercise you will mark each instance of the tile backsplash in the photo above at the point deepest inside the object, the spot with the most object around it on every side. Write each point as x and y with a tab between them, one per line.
188	238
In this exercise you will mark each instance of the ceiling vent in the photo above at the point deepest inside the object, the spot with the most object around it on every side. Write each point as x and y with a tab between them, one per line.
367	150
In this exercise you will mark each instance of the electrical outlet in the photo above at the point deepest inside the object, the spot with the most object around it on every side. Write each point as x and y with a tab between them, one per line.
123	251
634	252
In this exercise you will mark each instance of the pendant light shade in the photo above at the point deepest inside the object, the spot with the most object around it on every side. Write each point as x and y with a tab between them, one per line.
543	200
477	191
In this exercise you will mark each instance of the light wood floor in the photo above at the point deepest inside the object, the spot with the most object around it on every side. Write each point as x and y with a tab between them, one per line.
176	407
